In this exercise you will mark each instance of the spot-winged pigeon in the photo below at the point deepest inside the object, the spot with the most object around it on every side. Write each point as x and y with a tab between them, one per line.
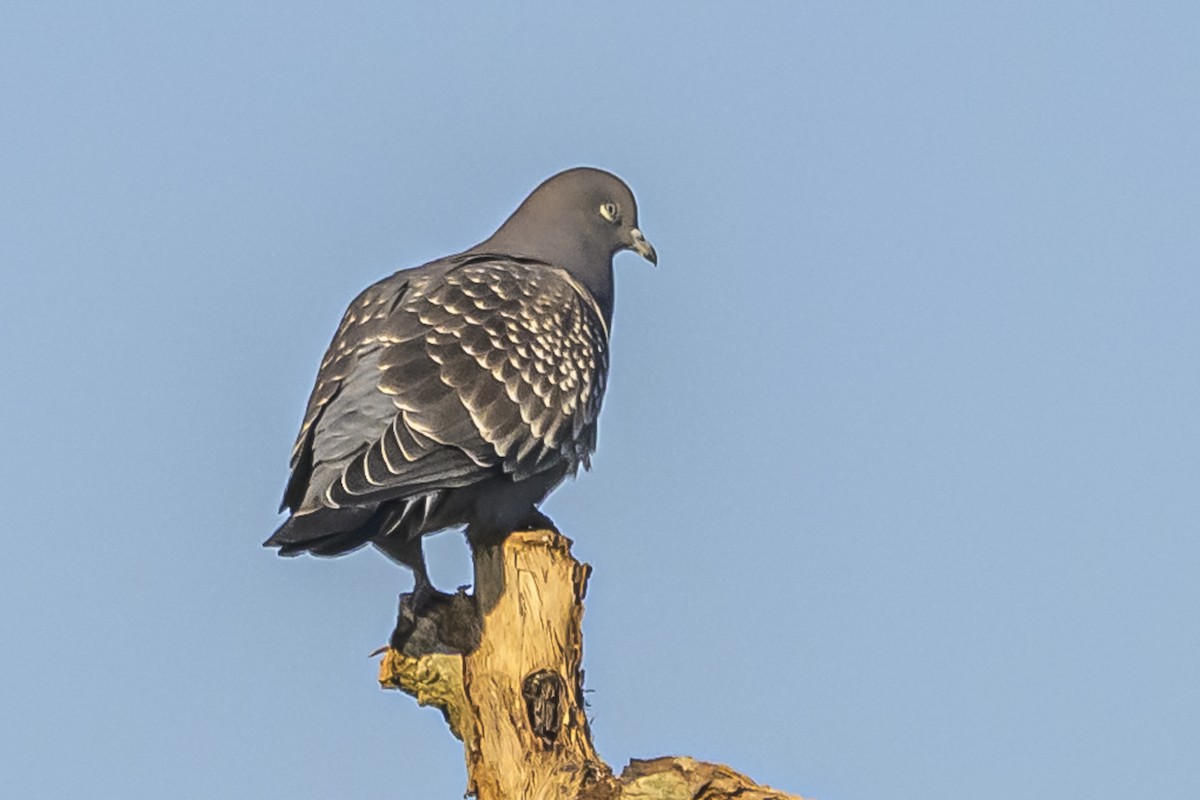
461	392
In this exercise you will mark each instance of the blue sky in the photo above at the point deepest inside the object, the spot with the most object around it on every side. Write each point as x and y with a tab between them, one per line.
896	492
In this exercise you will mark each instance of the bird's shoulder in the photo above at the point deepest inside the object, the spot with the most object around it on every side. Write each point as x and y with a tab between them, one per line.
534	295
514	318
471	286
520	343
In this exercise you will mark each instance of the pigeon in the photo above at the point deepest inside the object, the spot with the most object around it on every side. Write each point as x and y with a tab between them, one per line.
460	393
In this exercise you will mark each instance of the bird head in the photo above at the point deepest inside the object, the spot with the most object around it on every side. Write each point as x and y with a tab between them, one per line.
578	219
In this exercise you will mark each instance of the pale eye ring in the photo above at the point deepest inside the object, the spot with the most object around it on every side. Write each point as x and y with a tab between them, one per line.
611	212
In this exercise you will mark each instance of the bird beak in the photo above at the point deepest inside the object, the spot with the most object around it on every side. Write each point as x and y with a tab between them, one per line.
643	248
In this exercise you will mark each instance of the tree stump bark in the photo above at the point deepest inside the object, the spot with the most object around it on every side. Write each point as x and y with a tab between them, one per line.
503	666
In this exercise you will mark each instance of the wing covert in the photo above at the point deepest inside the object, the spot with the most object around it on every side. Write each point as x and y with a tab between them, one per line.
491	364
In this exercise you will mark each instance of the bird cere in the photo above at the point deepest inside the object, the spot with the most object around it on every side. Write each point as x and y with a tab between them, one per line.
463	391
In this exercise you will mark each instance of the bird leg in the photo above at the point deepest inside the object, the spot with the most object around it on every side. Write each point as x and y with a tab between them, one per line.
411	554
429	621
423	591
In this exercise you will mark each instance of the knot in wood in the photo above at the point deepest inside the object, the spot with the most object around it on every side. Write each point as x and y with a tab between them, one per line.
542	691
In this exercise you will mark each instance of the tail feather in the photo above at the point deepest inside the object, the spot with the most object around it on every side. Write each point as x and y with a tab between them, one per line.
325	532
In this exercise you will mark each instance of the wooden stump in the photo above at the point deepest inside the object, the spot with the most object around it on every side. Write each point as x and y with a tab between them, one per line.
515	698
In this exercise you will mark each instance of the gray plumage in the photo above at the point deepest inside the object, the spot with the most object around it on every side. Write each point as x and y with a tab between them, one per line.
461	392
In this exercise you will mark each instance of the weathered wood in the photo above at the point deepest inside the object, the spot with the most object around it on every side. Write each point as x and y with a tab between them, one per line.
683	778
434	680
524	684
516	699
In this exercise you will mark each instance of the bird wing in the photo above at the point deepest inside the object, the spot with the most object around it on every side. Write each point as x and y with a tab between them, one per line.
342	405
447	375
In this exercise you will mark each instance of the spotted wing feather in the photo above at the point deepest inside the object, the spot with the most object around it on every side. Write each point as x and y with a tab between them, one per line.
494	366
343	411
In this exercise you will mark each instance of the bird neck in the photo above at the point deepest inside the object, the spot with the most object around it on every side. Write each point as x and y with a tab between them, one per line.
599	281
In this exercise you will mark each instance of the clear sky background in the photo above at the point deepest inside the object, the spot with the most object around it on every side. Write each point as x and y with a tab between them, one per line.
897	486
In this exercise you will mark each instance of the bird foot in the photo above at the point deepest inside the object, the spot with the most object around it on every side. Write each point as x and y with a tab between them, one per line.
537	521
429	621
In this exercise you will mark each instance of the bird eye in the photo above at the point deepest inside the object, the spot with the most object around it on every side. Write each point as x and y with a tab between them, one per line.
611	212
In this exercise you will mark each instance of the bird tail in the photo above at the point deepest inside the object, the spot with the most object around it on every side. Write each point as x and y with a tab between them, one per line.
324	532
